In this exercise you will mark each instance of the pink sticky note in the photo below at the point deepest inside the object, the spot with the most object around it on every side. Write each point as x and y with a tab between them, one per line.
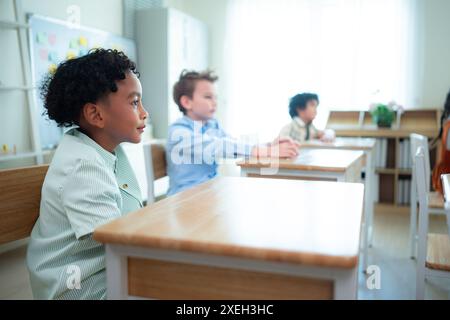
52	39
43	54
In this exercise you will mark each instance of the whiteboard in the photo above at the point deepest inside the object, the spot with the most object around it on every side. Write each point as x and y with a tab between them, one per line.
53	41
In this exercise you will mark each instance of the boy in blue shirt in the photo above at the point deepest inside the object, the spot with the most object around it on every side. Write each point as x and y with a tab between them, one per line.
196	141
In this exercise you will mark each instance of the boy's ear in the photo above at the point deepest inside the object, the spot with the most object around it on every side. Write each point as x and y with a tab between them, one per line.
185	102
93	115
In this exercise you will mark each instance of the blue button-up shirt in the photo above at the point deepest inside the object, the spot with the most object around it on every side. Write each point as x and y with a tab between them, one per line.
194	149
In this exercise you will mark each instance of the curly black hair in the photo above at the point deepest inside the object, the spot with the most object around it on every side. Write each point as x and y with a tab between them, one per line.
83	80
300	101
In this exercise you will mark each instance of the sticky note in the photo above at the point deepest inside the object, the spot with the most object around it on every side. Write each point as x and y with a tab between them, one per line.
117	47
43	54
71	55
83	52
73	44
52	68
41	38
53	56
52	39
82	41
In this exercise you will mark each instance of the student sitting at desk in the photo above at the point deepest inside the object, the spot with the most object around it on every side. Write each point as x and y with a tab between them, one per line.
196	141
90	181
303	110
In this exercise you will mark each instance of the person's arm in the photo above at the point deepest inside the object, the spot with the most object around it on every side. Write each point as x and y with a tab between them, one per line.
193	147
319	134
189	147
328	135
280	148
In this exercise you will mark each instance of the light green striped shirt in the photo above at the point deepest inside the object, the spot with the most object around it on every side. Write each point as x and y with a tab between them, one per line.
85	187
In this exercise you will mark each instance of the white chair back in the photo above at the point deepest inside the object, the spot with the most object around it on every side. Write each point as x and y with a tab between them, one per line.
417	141
422	196
446	188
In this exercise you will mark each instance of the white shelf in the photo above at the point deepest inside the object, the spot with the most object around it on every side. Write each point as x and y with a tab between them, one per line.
10	88
23	155
12	25
21	27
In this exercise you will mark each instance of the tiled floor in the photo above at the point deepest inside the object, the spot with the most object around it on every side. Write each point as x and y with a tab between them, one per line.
390	253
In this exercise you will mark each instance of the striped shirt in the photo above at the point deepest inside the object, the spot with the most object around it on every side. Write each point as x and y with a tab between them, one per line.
85	187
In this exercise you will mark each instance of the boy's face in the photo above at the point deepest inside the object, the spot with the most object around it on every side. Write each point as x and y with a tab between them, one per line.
203	104
124	114
310	112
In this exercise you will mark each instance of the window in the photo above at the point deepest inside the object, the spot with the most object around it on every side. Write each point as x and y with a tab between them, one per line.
350	52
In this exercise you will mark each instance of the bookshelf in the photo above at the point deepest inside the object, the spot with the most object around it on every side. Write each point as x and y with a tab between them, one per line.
393	164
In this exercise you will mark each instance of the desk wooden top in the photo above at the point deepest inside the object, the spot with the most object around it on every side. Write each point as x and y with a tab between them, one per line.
342	144
302	222
328	160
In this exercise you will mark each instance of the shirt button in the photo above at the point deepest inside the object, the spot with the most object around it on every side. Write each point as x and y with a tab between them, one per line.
125	186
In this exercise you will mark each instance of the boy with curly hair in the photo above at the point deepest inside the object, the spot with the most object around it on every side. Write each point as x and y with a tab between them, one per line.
303	110
90	181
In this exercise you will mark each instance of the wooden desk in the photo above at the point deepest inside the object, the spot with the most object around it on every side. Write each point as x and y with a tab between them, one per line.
367	145
239	238
311	164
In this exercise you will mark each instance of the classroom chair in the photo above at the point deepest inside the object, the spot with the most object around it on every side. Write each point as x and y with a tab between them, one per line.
433	250
20	197
155	166
435	199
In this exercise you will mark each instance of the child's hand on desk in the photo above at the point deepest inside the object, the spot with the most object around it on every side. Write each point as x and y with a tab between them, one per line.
328	135
280	148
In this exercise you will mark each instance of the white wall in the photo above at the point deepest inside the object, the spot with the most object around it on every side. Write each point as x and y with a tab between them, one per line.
213	13
436	62
14	123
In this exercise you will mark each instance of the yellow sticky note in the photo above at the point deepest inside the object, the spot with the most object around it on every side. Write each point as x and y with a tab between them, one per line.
52	68
82	41
117	47
71	55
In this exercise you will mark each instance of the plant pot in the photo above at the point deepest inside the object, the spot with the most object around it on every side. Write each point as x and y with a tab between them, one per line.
381	124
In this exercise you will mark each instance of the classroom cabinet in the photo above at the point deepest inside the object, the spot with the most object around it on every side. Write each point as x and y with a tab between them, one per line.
169	41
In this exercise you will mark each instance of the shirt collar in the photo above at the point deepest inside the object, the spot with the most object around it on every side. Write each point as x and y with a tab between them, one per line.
208	124
108	157
300	122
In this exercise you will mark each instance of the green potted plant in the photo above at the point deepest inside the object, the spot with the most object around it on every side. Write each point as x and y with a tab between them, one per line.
382	115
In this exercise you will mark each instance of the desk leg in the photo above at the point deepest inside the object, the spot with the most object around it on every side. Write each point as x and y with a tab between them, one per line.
116	274
370	193
346	285
368	210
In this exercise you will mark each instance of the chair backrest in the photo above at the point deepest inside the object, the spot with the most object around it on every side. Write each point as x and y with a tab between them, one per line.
446	187
417	141
156	166
20	198
422	194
